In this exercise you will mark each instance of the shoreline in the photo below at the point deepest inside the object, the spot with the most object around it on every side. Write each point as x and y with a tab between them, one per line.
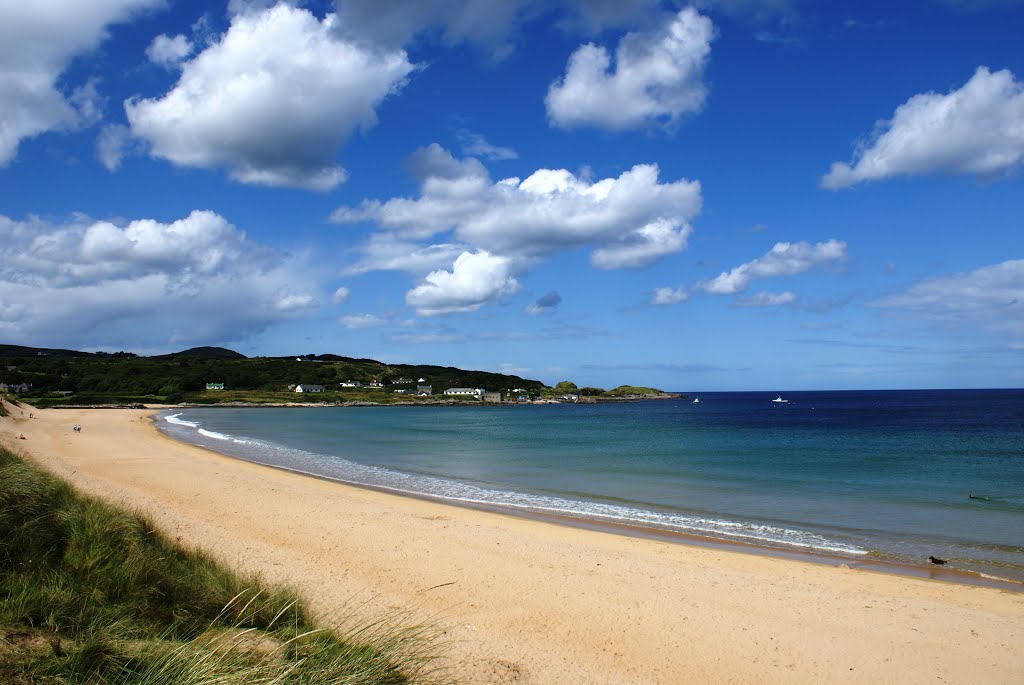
525	601
834	559
436	401
866	560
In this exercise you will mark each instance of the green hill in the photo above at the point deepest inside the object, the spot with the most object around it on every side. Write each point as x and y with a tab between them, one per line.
22	351
205	353
102	378
69	377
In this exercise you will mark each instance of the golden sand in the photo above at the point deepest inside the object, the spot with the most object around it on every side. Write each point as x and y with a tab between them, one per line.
526	601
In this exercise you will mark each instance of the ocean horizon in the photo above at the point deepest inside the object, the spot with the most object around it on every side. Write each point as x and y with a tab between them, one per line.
889	476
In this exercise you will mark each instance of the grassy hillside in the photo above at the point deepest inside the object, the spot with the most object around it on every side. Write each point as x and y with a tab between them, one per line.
204	353
97	378
96	595
66	377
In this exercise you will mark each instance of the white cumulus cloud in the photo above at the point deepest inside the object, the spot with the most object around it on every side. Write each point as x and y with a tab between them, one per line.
975	129
385	252
643	246
475	279
784	259
356	321
340	295
169	51
38	40
111	144
144	283
632	219
992	296
667	295
273	100
293	302
658	76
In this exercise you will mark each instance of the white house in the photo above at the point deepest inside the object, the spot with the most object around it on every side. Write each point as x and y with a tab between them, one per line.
465	392
351	384
309	388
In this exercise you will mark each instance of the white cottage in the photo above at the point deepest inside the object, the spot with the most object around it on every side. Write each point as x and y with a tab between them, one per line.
465	392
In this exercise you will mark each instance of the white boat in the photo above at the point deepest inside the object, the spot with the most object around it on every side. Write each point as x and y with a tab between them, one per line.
779	400
696	400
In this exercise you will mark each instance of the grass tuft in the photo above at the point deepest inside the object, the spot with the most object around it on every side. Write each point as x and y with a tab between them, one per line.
97	595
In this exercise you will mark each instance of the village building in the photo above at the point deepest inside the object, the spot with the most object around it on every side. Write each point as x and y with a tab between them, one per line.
214	386
350	384
425	390
465	392
307	387
492	397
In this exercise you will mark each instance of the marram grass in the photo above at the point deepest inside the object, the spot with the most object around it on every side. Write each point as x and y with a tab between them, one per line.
90	594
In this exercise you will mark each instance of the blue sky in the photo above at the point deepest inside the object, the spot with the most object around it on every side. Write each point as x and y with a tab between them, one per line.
736	194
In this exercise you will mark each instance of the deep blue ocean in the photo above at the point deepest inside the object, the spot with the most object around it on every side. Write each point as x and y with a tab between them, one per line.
879	475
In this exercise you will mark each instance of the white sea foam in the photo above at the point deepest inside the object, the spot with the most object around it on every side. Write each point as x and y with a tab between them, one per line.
173	418
741	530
460	492
214	434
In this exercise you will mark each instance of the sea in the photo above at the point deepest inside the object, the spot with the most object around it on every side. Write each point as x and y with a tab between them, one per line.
866	477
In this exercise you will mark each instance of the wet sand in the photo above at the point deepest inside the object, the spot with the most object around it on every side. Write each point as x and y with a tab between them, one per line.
528	601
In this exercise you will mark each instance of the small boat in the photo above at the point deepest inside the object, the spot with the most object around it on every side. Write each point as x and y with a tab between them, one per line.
779	400
696	400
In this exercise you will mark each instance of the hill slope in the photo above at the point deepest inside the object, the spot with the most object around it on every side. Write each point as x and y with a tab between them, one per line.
205	353
98	378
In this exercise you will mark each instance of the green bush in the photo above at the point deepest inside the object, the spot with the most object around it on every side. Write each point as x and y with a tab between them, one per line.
630	390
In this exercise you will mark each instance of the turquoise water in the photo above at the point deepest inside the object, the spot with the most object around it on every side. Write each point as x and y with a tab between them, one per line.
874	475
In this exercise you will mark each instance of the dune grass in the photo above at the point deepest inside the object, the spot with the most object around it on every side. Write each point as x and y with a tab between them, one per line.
92	594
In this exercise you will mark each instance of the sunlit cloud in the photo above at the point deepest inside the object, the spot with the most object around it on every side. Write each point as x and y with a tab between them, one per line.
977	129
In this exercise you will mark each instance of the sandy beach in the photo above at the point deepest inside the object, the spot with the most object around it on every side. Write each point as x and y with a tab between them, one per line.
526	601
